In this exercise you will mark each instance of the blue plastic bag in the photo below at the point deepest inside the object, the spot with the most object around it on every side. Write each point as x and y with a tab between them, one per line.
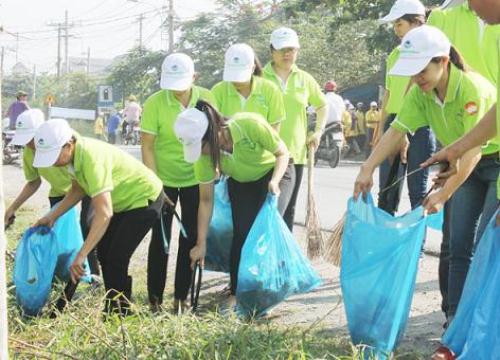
70	240
220	231
474	333
272	266
42	254
379	266
36	258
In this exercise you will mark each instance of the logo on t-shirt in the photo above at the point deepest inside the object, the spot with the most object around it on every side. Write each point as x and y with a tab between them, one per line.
471	108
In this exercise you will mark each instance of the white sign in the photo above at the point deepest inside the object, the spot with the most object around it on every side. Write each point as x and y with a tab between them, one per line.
65	113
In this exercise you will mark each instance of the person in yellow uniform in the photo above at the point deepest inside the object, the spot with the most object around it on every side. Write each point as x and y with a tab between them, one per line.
126	196
299	90
415	148
469	34
246	149
99	126
350	132
372	118
163	153
59	178
245	90
451	101
361	125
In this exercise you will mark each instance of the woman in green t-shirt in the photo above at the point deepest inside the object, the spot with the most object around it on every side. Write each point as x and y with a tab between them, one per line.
162	153
451	101
245	148
126	197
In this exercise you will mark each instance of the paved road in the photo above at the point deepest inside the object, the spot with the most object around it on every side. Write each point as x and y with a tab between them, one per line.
333	187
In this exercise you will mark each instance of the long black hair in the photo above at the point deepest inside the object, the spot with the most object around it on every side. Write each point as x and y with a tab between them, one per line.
216	122
455	58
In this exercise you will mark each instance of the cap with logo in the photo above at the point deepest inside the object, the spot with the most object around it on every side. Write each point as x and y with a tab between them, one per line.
402	8
418	47
239	63
190	127
50	137
26	125
284	38
177	72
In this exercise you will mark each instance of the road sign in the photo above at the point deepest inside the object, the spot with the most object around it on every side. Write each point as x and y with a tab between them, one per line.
50	99
104	95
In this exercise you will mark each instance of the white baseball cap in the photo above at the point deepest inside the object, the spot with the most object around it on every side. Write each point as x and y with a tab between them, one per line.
26	125
404	7
373	103
177	72
418	47
190	127
284	37
239	63
50	137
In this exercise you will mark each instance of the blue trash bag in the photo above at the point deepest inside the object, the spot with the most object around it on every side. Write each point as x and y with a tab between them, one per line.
272	266
379	267
474	333
70	240
35	262
220	231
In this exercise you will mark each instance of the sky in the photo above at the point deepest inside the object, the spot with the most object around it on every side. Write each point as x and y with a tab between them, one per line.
108	27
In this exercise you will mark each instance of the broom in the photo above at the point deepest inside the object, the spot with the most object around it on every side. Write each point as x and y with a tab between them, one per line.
314	235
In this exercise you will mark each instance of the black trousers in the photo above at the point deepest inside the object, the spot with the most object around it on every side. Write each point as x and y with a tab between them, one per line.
246	200
85	220
125	232
289	215
189	198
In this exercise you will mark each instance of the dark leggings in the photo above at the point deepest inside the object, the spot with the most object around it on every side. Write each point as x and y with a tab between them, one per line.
85	226
158	257
289	215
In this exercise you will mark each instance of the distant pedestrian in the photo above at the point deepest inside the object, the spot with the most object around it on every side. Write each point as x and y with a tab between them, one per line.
113	123
372	118
16	108
99	126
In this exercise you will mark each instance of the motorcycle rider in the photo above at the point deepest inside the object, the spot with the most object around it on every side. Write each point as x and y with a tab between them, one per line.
336	105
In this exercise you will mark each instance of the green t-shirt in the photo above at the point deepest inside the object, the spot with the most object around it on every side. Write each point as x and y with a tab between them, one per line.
469	96
254	145
397	85
265	99
159	114
58	177
299	91
99	167
475	40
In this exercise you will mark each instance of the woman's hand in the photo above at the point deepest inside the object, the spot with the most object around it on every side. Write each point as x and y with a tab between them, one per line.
435	202
77	268
364	182
47	221
274	188
198	254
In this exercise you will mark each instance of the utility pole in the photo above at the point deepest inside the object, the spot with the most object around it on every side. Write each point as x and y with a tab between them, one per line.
34	83
88	61
58	50
140	19
170	26
66	37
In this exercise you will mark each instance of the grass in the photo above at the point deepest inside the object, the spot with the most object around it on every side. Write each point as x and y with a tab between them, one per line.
81	333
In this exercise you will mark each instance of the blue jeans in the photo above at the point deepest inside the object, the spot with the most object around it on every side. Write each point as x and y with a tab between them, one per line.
422	146
472	206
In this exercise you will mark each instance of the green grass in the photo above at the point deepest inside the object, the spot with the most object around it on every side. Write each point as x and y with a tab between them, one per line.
81	333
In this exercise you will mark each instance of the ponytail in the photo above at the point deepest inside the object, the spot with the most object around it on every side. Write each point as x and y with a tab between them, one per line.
455	58
258	67
215	123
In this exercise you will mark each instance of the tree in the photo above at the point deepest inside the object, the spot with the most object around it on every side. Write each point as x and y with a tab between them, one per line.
138	73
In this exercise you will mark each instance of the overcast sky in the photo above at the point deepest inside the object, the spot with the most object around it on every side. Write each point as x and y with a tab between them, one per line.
108	27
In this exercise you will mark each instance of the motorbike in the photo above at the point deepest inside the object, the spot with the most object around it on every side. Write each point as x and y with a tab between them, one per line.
11	153
132	136
331	146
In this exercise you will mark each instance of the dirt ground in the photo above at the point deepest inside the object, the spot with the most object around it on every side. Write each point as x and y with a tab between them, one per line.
323	305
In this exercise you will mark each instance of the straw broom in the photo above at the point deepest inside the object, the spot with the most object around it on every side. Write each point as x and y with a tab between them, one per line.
333	248
314	235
